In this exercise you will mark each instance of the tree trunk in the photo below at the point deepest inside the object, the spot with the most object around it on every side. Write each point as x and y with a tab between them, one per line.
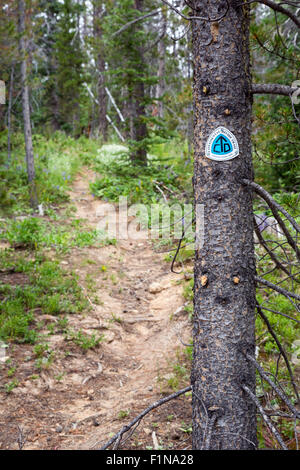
139	127
190	120
11	86
102	98
161	85
26	108
224	294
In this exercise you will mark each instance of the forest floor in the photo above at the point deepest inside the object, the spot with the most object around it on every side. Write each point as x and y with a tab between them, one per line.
85	396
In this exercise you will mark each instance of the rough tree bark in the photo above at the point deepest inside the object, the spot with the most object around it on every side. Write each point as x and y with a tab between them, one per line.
224	417
102	97
26	107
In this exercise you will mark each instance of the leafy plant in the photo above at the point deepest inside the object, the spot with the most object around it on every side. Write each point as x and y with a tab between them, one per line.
84	341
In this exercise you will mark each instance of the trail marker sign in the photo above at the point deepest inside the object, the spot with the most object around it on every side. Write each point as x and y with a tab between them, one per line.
221	145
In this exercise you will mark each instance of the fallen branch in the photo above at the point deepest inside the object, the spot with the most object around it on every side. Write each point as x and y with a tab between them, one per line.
158	403
21	438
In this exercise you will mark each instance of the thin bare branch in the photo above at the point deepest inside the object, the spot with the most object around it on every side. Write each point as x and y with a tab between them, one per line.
179	246
271	202
265	417
270	253
277	7
201	18
158	403
281	349
282	395
278	289
280	313
272	89
136	20
275	207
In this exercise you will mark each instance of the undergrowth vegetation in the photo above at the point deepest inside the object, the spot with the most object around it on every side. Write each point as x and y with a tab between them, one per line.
44	288
57	160
34	284
168	175
35	233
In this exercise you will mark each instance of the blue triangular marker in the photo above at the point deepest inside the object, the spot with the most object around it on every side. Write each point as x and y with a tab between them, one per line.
221	145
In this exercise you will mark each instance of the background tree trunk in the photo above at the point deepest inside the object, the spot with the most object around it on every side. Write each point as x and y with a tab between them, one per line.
11	86
161	49
26	107
139	127
102	97
224	292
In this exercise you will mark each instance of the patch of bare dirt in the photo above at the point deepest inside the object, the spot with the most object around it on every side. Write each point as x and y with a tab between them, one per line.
13	279
84	397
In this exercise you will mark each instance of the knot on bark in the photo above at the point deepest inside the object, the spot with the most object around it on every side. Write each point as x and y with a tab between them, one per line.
223	299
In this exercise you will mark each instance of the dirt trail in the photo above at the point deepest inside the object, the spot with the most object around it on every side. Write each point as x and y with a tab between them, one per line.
137	298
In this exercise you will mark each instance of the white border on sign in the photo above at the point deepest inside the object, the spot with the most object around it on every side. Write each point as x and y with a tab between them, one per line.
235	146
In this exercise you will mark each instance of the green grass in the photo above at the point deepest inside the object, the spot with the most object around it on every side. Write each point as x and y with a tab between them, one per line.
48	289
57	160
123	414
83	340
35	233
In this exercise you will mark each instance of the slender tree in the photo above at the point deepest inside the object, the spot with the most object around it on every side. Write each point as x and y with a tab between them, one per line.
26	105
98	14
127	45
10	97
161	83
140	133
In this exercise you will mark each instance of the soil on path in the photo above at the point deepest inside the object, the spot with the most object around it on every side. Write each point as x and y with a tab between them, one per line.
84	397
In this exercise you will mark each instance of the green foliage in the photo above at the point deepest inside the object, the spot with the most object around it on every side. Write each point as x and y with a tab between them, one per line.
140	184
131	71
64	97
84	341
28	233
35	233
286	330
45	361
276	131
57	161
11	385
123	414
